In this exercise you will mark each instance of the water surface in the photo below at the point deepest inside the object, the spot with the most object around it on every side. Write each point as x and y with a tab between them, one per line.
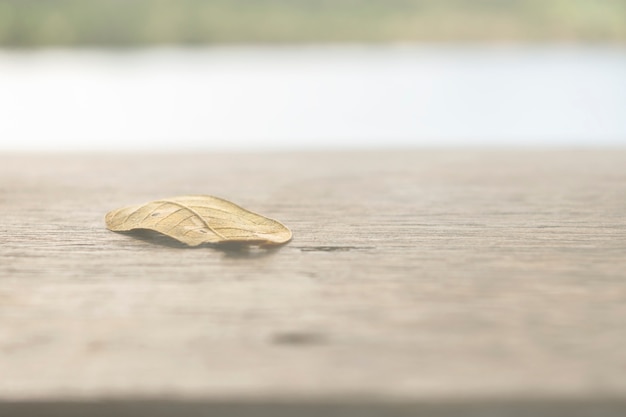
350	96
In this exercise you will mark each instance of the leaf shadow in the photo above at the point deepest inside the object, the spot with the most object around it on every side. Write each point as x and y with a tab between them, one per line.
242	251
229	249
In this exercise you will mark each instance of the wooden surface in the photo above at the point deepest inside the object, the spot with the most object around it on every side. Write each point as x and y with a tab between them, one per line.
448	282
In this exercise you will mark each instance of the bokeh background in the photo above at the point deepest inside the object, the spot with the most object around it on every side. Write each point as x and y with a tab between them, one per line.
311	74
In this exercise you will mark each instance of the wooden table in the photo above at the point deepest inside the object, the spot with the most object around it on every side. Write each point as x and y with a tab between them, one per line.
448	283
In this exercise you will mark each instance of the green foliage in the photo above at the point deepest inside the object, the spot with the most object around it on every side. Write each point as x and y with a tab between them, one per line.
138	22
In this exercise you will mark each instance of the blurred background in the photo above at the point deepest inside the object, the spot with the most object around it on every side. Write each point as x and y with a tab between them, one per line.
311	74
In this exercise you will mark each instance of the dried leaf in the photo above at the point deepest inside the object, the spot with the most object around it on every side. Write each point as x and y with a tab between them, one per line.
197	219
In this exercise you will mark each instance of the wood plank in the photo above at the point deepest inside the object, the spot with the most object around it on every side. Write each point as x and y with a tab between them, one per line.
412	277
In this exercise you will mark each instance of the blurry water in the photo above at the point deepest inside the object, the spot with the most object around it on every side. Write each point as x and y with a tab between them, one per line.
312	97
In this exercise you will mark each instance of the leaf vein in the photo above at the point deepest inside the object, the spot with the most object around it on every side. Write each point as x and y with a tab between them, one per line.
224	211
168	216
152	211
197	214
176	225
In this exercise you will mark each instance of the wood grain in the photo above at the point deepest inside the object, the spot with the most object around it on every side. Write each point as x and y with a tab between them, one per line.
412	277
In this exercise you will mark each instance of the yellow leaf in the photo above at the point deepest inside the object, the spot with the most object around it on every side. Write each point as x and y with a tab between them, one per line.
198	219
